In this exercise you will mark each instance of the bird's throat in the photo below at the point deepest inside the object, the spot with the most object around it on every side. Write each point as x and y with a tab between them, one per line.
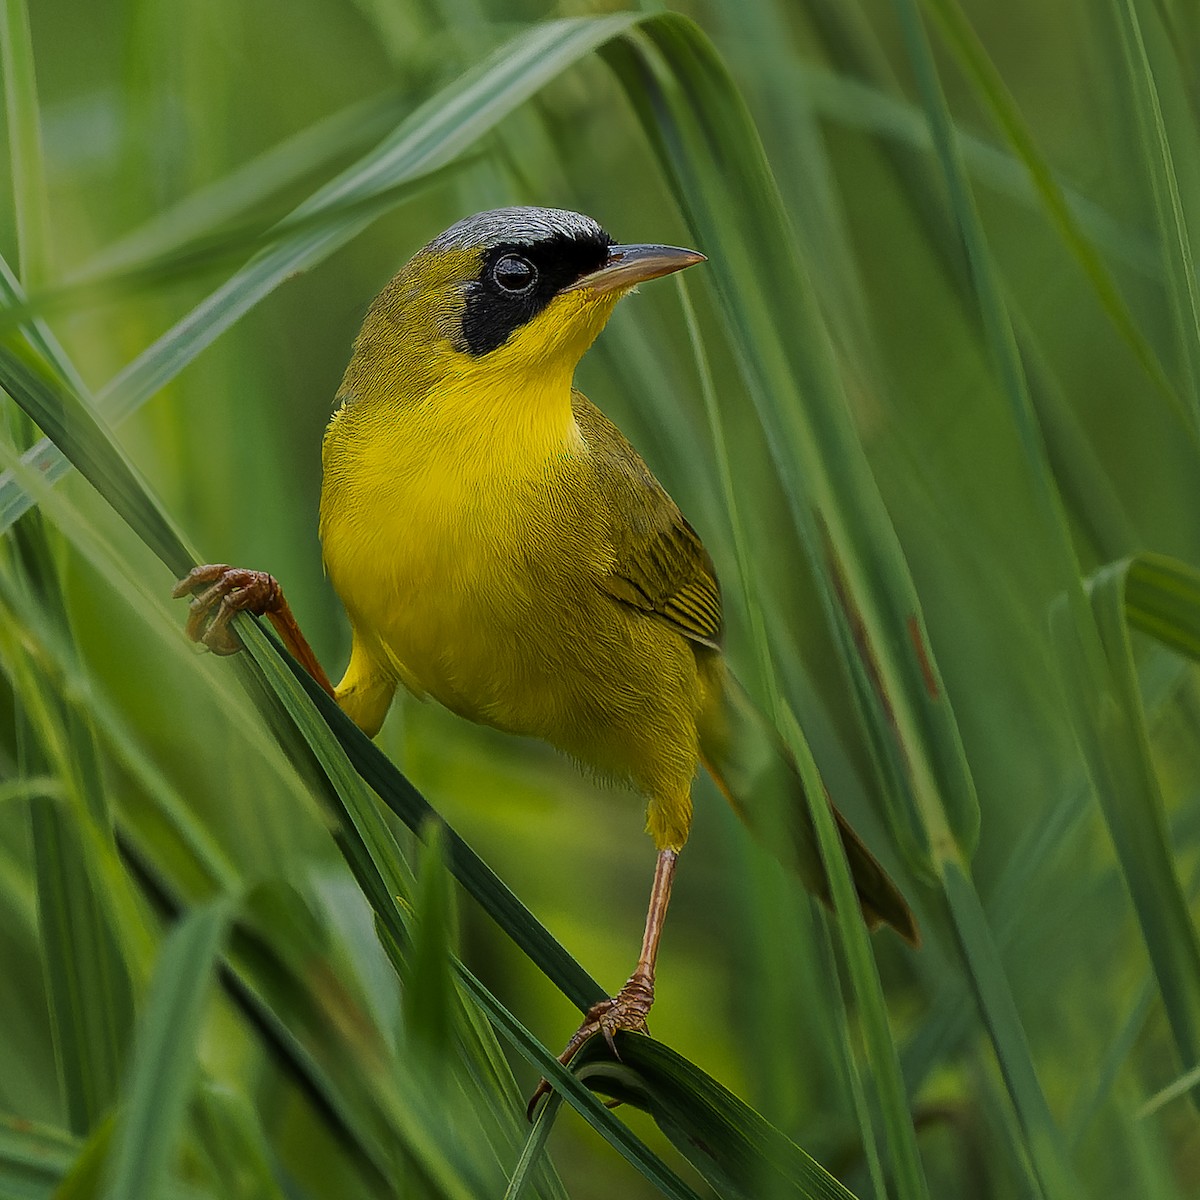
500	425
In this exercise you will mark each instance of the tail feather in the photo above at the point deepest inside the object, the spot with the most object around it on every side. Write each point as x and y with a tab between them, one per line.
747	758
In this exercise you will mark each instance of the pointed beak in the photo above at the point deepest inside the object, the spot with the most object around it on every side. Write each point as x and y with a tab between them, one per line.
631	265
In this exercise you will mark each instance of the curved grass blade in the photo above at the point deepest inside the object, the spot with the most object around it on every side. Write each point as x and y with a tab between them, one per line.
796	391
371	851
694	87
207	253
990	87
429	986
1180	1087
859	104
246	187
433	136
82	440
33	1158
363	853
164	1062
699	1115
1161	597
373	857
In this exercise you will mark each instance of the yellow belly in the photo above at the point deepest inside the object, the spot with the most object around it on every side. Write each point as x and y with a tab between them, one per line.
478	583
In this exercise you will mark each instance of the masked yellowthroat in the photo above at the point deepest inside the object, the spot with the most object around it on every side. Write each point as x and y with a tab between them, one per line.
499	546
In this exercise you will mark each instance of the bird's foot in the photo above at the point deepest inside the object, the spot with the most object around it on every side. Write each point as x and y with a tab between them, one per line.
228	591
628	1010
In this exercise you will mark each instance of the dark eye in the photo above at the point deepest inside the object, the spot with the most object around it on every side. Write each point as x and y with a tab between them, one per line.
514	274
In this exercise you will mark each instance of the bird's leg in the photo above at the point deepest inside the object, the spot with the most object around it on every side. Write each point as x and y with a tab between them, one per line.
629	1007
231	590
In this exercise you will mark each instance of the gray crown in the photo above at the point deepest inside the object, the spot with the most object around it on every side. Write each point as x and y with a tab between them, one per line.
530	225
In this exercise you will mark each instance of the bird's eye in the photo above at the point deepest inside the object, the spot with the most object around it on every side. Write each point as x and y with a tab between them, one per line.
514	274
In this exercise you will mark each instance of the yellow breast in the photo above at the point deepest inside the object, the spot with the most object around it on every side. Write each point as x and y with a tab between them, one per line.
446	532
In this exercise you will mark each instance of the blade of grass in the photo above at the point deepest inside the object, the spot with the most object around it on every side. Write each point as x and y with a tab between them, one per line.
534	1148
433	136
860	105
696	1113
33	1158
759	639
86	979
696	87
1166	600
25	143
209	252
251	185
1174	240
164	1062
428	990
1184	1084
989	86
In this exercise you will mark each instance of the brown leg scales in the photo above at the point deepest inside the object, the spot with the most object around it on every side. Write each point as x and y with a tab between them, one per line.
629	1008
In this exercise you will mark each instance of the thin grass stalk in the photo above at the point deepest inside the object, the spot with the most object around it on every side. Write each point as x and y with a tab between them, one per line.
769	684
990	87
1174	240
26	158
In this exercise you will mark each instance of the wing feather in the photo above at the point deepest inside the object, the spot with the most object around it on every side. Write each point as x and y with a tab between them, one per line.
660	565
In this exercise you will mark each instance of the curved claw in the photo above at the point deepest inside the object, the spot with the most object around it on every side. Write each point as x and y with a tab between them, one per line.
230	590
627	1010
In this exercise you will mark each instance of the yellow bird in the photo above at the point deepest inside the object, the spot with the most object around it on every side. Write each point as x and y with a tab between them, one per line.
499	546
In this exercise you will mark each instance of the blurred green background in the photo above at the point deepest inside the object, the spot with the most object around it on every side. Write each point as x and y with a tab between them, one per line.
963	373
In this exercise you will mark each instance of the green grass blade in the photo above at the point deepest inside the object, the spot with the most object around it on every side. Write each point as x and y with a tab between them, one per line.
698	1115
25	143
978	67
833	498
80	437
82	969
534	1148
164	1063
1162	599
443	128
33	1159
247	188
1183	290
697	87
905	1156
993	995
37	332
1180	1087
428	991
1167	600
856	104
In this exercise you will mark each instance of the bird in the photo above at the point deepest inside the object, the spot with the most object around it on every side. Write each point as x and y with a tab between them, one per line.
501	548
